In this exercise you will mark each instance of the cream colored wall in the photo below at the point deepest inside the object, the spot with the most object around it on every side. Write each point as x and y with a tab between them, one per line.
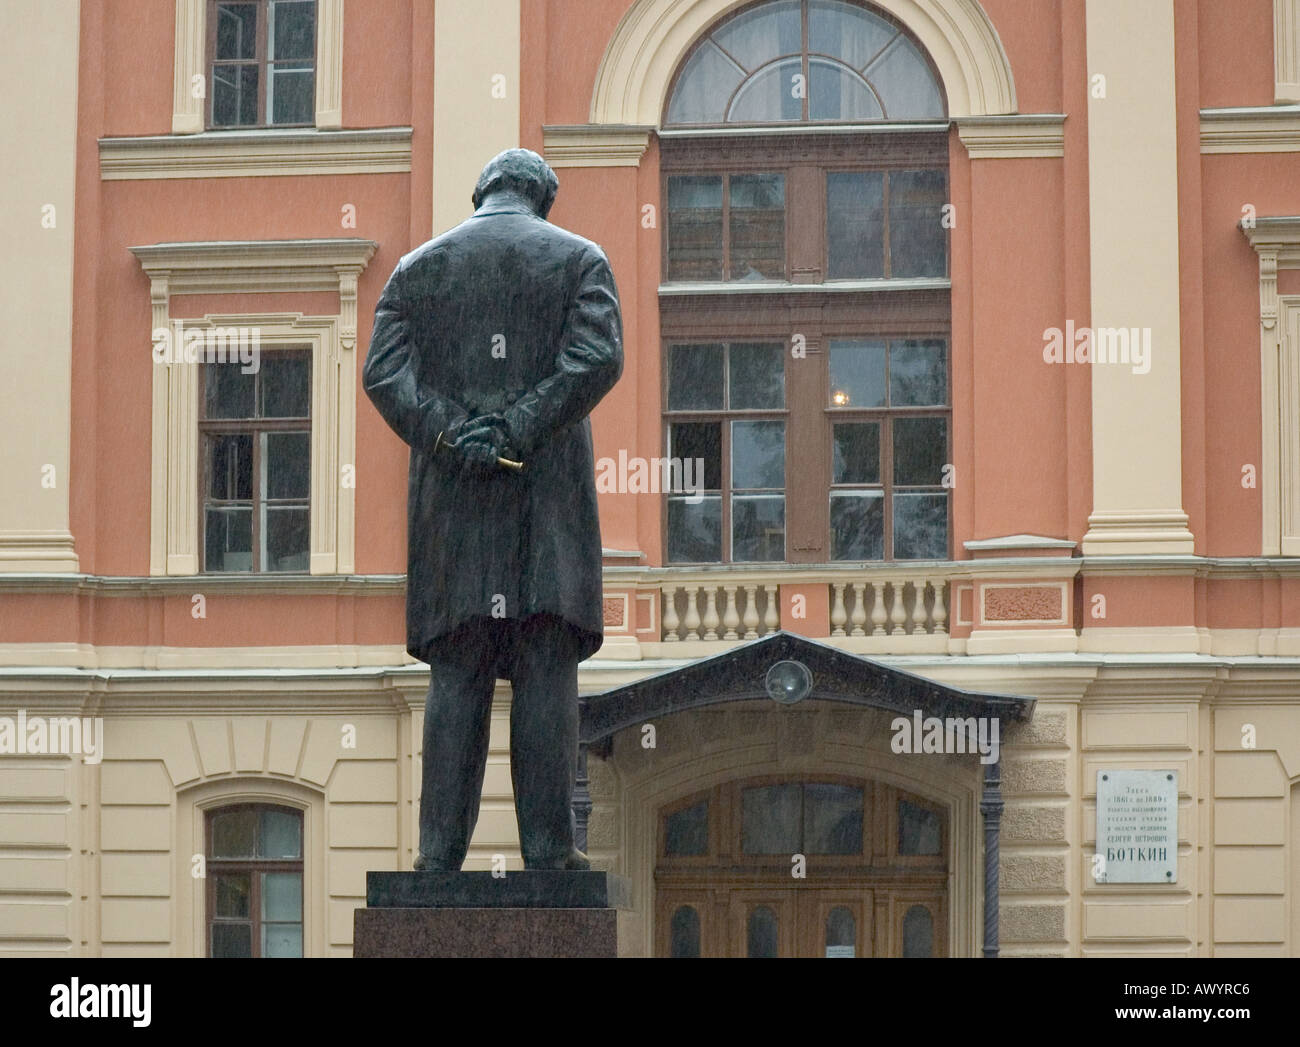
38	60
121	836
96	860
1133	236
476	115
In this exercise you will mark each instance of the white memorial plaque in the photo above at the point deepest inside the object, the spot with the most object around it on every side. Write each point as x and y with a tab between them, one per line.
1137	827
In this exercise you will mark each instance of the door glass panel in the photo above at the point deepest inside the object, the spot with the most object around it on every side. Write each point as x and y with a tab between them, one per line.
762	934
770	819
920	831
832	819
686	832
841	933
686	933
918	933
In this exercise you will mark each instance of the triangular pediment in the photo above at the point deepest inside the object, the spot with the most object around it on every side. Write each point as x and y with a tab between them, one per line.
740	675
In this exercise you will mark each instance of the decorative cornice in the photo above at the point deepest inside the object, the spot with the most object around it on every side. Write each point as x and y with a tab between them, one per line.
595	145
260	153
1013	137
249	266
1278	237
1251	129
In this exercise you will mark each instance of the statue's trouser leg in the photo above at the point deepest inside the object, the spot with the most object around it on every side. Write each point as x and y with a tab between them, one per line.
544	739
457	714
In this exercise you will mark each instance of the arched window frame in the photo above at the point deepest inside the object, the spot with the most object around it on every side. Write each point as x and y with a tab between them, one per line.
807	56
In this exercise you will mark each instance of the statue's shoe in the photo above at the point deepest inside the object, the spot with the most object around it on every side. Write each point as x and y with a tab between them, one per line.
423	864
576	861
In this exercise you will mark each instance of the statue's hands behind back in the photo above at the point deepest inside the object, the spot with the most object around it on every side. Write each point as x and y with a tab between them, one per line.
479	442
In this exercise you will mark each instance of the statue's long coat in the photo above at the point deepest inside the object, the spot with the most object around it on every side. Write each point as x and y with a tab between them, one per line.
504	312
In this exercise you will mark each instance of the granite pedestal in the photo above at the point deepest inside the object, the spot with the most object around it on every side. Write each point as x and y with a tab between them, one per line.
543	913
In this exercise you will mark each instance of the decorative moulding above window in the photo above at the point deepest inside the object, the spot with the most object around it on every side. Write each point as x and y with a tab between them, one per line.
250	266
1024	135
1251	129
190	77
595	145
263	152
654	36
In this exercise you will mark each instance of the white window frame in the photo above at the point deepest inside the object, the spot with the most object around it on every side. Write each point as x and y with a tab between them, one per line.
248	268
190	76
1277	242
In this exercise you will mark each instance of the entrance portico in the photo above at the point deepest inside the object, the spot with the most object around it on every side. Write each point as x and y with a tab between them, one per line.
764	811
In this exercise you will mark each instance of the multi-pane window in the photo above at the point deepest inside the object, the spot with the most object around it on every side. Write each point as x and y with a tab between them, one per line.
809	265
889	446
877	224
254	881
262	57
726	410
726	227
255	442
805	60
885	224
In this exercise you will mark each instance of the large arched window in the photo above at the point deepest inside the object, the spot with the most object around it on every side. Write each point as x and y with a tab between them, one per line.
805	60
805	299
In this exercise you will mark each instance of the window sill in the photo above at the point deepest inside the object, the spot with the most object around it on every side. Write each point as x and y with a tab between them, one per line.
264	152
741	287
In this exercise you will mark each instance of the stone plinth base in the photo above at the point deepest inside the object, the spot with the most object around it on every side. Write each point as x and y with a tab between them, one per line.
522	914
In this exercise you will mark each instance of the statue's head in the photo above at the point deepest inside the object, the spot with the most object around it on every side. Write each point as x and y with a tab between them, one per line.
522	172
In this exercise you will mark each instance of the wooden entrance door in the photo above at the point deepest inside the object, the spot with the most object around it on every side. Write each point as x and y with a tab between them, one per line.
869	877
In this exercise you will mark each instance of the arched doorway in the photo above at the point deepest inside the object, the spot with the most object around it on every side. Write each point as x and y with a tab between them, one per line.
814	866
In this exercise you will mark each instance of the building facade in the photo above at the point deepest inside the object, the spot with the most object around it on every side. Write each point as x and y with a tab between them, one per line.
962	357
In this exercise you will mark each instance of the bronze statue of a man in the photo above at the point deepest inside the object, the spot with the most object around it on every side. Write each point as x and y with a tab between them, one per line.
492	343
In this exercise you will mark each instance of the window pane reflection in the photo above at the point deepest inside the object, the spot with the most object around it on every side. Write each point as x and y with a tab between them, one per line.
763	933
685	933
841	932
918	933
686	832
